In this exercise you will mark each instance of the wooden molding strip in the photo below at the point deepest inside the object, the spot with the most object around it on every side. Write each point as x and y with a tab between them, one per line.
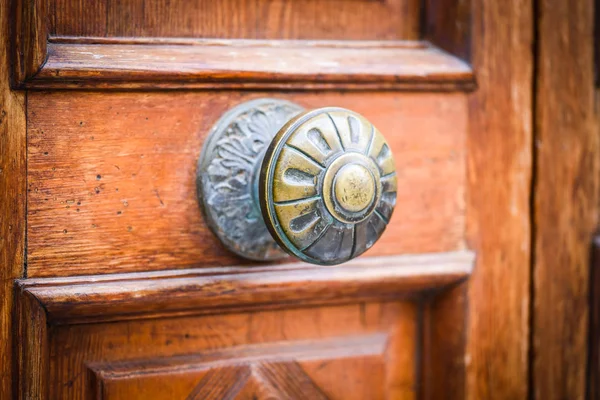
329	348
161	63
251	359
87	299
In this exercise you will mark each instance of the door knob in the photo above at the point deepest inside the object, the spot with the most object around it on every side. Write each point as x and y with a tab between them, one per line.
273	178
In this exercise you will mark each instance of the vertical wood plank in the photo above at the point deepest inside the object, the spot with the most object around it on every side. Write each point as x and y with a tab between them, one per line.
566	197
498	200
27	29
30	349
443	346
448	24
12	199
593	386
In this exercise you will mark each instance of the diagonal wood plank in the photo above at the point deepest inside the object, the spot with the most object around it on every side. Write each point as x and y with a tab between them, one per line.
221	383
287	381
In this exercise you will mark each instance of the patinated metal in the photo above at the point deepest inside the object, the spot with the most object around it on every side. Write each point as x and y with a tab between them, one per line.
326	184
227	172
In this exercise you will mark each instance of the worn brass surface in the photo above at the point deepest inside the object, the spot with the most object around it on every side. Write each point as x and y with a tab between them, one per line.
351	188
326	185
354	188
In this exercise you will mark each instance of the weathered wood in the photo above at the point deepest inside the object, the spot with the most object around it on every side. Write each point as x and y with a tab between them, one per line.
31	348
34	21
12	200
448	24
443	344
286	370
201	291
152	222
112	176
168	54
498	200
566	184
374	343
28	33
593	378
235	19
117	63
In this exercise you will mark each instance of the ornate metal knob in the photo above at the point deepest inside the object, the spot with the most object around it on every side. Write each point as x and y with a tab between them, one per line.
319	184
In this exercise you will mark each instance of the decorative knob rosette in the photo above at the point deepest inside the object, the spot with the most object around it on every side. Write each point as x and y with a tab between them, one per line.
325	184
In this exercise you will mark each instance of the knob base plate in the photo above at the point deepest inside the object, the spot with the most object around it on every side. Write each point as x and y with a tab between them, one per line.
227	172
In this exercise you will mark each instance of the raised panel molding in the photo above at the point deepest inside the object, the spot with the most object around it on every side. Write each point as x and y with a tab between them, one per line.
47	304
290	370
116	297
43	61
76	63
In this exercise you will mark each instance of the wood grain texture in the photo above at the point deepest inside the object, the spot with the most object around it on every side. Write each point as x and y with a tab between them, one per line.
29	34
238	19
593	377
127	67
498	208
91	56
81	358
134	63
567	177
443	344
296	370
112	176
448	25
31	348
200	291
12	200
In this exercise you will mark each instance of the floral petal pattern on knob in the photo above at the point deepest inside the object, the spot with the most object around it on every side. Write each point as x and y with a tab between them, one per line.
328	186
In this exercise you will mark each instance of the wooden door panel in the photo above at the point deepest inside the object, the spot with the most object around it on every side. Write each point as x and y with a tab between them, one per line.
350	367
238	19
123	334
170	53
338	368
479	339
311	349
112	176
129	295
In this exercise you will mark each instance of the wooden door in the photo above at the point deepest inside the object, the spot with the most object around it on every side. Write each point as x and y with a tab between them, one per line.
122	291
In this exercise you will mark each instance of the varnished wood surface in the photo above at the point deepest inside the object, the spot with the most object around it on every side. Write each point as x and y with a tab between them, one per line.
200	291
12	200
27	31
368	342
112	63
498	311
237	19
161	61
293	370
112	176
37	21
448	24
443	359
566	185
30	348
498	200
593	376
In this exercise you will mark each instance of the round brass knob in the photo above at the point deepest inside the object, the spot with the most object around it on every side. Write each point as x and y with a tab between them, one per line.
323	180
